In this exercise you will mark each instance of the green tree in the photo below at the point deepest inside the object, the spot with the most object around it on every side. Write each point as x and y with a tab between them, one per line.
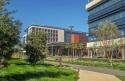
9	32
81	46
106	35
73	47
67	46
36	47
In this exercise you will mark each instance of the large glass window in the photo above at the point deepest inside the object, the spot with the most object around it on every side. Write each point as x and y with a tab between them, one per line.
122	30
110	18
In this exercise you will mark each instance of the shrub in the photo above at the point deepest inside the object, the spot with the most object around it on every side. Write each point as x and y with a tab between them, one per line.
33	54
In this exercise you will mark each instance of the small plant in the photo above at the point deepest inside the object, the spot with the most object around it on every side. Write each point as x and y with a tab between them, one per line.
33	54
36	49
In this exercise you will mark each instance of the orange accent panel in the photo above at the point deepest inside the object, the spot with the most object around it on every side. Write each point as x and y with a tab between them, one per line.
75	38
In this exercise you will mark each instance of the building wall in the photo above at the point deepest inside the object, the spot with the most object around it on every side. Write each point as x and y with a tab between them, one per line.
53	35
83	38
112	10
60	35
78	38
75	38
92	3
117	41
67	36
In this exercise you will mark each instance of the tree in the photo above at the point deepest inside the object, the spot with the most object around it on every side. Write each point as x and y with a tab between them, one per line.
9	32
36	47
67	46
106	35
81	47
121	48
73	47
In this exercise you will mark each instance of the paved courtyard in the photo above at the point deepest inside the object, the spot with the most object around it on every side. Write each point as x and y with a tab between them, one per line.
85	75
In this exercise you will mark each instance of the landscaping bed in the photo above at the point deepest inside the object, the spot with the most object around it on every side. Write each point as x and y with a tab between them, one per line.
122	78
19	70
117	64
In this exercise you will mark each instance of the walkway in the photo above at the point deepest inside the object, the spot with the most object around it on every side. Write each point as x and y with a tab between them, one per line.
95	76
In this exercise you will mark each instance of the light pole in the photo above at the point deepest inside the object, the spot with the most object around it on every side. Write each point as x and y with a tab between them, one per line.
70	40
71	29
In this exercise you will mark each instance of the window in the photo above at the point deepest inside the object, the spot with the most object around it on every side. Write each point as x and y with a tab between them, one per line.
33	29
110	18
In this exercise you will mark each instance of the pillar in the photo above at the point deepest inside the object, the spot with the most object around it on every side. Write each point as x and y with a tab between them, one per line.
88	52
91	54
123	53
52	50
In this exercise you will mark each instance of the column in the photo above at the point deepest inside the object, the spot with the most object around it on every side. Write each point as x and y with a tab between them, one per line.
123	53
91	53
88	52
52	51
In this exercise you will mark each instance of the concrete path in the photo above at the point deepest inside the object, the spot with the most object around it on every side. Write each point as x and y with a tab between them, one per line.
95	76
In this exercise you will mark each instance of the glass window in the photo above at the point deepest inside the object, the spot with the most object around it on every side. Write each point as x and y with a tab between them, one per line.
110	18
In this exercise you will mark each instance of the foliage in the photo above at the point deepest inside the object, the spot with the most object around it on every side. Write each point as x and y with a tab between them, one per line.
38	40
9	32
34	54
117	64
106	39
122	78
36	47
19	70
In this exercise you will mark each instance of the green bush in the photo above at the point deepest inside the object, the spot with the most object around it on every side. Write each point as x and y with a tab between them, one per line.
122	78
34	55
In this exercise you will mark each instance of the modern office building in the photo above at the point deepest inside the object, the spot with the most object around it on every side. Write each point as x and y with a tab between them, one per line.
59	35
58	38
101	10
53	34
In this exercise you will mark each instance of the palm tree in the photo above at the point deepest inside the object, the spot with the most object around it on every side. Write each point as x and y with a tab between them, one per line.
67	46
81	47
106	39
75	49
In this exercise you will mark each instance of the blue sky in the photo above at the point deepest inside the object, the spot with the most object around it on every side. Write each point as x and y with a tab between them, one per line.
58	13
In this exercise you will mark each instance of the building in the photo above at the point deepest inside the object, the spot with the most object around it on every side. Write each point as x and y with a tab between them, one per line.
58	38
59	35
53	34
101	10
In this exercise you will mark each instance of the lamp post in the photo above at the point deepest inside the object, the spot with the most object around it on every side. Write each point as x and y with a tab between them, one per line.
71	29
70	40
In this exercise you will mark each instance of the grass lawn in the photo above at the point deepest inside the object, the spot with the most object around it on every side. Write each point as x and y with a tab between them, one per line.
19	70
117	64
122	78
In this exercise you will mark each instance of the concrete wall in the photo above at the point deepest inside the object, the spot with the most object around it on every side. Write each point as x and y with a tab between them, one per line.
60	35
60	32
92	3
109	42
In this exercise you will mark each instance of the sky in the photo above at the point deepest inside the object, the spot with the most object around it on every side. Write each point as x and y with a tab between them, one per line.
57	13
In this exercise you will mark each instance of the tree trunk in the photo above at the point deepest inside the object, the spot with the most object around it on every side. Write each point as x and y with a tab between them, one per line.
123	54
68	52
73	53
81	52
